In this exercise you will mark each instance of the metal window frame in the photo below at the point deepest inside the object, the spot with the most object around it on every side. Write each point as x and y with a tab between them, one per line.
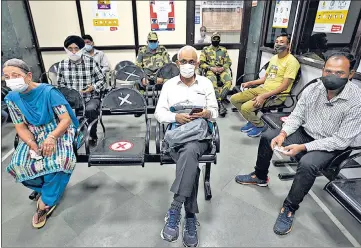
298	33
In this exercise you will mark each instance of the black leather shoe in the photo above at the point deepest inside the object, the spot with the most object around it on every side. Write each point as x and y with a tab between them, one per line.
222	110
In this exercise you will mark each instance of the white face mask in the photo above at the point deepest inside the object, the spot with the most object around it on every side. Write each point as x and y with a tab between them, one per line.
17	84
74	56
88	48
187	70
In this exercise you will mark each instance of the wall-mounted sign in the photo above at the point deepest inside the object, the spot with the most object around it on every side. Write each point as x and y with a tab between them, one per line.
105	16
282	14
331	16
162	15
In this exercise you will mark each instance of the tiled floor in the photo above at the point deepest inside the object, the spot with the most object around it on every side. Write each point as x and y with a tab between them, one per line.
125	206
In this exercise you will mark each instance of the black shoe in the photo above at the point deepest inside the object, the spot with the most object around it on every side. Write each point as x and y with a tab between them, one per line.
222	110
138	115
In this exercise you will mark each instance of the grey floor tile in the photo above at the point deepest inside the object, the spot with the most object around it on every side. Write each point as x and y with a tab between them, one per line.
86	203
135	178
82	172
134	224
18	232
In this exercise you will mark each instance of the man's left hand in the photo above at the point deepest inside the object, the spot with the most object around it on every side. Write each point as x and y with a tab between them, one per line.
293	150
204	114
259	101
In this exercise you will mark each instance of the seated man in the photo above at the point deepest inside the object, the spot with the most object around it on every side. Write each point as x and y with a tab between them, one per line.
192	90
151	58
97	55
216	62
280	75
325	121
83	74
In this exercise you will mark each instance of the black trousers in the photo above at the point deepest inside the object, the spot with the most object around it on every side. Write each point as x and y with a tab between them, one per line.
187	173
92	113
309	164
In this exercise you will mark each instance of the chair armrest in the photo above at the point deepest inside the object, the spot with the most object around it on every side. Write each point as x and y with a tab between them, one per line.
157	138
346	161
147	136
287	95
87	137
216	139
76	146
242	76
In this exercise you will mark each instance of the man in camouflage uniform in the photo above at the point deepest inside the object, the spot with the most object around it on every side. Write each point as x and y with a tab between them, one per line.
151	58
215	61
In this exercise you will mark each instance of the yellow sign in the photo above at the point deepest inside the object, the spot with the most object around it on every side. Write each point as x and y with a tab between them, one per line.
331	16
105	22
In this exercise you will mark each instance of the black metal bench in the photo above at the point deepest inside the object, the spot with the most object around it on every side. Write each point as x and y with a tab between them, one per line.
209	158
120	149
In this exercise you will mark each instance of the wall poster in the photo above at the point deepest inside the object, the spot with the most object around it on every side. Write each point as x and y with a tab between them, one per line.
281	15
222	16
331	16
162	15
105	16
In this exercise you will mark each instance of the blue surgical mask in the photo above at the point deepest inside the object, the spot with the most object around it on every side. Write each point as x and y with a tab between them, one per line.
153	45
88	47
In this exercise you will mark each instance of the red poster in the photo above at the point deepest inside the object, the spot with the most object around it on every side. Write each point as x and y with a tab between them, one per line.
162	15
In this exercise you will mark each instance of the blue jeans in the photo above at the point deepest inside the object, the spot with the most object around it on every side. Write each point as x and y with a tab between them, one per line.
50	186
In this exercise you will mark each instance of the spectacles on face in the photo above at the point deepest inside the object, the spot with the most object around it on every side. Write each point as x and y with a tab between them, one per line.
184	61
336	73
13	75
73	49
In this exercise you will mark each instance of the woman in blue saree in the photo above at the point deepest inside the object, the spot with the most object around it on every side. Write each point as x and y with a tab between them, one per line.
45	123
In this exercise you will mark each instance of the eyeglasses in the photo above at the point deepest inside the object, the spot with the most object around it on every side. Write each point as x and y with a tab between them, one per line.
184	61
73	49
12	75
336	73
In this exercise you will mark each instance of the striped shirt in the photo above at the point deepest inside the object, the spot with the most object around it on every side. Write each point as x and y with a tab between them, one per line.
334	124
79	76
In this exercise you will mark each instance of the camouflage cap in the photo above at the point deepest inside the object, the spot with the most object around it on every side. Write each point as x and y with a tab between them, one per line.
216	34
152	36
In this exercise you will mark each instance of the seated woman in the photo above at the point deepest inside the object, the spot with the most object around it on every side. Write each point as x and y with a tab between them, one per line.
44	159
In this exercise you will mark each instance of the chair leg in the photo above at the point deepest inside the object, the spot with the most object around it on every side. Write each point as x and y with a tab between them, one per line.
286	176
207	184
281	163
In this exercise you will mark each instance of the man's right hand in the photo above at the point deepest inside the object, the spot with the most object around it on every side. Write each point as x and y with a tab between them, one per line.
278	141
246	85
182	118
214	69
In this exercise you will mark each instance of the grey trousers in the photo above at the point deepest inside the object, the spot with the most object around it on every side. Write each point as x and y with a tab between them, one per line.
187	172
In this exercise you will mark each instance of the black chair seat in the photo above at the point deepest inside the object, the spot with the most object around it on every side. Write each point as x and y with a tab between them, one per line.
273	120
347	192
208	157
110	152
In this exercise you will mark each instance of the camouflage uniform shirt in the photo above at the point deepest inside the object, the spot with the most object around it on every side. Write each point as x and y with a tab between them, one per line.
150	61
215	57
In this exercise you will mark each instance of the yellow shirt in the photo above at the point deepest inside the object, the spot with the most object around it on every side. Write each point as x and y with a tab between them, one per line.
278	69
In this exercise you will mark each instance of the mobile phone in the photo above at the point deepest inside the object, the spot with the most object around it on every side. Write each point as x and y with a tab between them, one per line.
195	110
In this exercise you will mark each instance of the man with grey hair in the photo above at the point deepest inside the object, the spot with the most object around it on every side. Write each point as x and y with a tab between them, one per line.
187	89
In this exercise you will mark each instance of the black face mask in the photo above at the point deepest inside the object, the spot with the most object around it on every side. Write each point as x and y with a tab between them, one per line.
215	43
279	48
332	82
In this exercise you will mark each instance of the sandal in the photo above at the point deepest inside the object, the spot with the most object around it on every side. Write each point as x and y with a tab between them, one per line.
41	215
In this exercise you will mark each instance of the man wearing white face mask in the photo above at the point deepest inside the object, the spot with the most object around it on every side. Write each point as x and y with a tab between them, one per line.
187	89
97	55
83	74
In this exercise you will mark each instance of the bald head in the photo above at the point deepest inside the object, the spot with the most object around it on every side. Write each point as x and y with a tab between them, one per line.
188	53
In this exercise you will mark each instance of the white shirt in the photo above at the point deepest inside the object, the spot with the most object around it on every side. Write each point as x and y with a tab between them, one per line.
174	91
334	124
101	60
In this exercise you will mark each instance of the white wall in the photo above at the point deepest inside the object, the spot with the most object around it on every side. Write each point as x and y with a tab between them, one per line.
124	35
54	21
